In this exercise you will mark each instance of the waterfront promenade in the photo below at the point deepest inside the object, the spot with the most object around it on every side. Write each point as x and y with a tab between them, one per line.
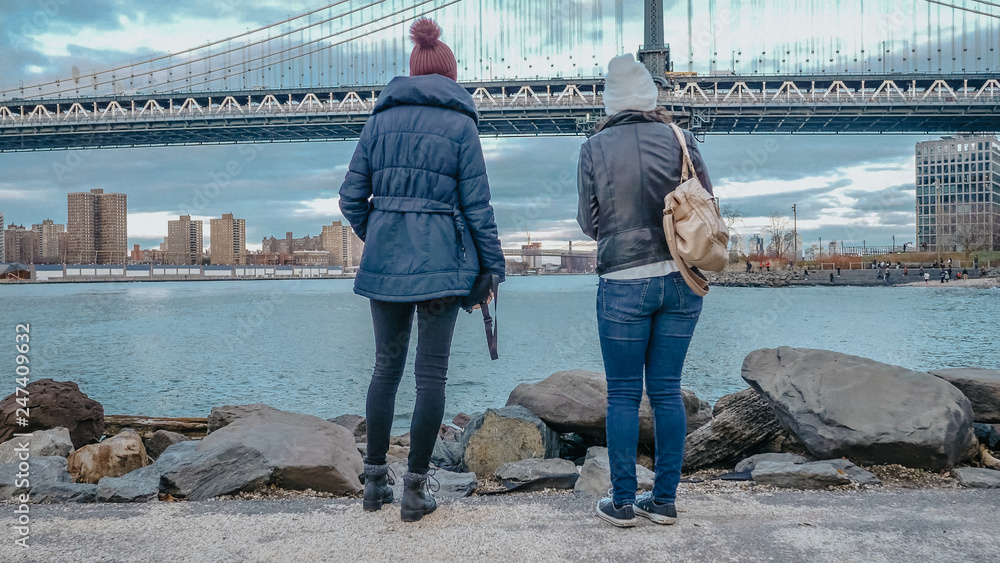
871	526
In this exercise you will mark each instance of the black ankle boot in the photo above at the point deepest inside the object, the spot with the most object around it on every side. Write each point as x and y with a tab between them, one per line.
378	490
417	500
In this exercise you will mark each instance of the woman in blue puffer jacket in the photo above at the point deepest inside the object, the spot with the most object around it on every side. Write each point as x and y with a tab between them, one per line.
418	195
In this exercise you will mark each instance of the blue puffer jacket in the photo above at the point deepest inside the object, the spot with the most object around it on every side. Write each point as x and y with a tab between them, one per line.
417	194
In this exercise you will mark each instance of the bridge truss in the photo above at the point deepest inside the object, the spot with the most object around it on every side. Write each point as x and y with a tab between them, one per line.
870	104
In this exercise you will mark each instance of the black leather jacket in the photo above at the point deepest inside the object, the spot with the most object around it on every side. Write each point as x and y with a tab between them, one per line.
625	172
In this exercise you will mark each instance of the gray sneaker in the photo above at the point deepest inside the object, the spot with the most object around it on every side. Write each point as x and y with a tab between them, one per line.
621	516
646	507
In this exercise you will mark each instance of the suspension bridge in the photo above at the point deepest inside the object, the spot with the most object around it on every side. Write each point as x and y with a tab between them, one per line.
533	67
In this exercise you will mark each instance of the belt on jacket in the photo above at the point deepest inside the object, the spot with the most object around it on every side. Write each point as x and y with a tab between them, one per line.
423	205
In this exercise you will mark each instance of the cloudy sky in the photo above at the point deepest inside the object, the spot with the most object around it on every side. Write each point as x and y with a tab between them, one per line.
849	188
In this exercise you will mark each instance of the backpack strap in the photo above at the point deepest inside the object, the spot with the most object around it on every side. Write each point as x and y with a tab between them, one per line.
687	167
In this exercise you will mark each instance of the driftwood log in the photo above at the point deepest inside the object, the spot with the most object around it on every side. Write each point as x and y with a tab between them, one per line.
190	427
743	423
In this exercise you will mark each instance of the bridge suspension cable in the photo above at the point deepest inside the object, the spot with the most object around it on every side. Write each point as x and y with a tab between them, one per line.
364	42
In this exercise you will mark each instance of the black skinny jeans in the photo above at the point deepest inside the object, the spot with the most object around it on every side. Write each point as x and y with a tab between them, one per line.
435	328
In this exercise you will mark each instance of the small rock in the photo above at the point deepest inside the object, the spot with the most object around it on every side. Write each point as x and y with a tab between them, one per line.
396	452
161	440
446	455
751	462
987	434
595	475
225	415
41	443
403	440
49	482
977	477
356	424
508	434
55	404
534	468
856	474
461	420
113	457
573	446
815	475
449	433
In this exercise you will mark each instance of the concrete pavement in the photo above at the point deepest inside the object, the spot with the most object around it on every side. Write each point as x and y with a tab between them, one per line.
870	526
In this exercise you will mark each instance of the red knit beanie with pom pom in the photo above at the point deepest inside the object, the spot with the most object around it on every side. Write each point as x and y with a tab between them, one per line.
430	55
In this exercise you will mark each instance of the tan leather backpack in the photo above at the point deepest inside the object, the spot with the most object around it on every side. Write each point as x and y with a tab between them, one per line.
696	234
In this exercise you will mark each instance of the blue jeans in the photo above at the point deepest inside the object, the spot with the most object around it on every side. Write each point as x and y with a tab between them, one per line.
646	325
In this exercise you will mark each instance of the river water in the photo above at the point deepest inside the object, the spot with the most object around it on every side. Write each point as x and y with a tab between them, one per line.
180	348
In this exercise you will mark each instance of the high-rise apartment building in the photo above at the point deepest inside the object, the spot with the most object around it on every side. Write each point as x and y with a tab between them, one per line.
3	254
185	241
344	245
49	236
958	194
97	227
21	245
228	240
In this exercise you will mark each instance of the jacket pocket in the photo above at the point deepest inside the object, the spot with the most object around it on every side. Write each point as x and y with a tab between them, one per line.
622	300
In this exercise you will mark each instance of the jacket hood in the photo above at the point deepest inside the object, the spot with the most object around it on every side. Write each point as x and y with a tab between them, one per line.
429	90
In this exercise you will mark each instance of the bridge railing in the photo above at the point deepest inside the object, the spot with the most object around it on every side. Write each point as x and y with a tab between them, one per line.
357	103
855	92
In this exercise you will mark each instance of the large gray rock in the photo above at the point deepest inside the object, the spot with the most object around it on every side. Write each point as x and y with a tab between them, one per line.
981	386
846	406
534	468
977	477
451	484
577	401
741	428
815	475
41	443
355	423
220	470
291	450
55	404
595	475
222	416
161	440
750	463
143	485
498	436
48	481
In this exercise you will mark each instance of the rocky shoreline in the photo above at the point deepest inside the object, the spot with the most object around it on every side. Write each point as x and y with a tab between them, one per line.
809	420
865	278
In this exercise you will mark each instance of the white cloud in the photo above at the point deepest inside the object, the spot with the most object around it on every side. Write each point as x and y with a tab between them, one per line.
161	36
320	207
151	225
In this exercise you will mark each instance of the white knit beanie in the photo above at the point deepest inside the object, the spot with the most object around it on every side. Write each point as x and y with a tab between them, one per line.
628	85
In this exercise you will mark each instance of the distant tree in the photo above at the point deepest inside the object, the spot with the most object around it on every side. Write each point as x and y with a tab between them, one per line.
731	216
971	238
776	229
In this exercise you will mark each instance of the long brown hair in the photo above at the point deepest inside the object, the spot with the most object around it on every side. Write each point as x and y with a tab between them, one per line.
659	114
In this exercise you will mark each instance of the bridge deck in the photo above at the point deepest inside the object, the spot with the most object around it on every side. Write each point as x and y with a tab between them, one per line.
901	104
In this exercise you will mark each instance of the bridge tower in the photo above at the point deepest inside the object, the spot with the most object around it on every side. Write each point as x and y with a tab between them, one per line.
654	53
